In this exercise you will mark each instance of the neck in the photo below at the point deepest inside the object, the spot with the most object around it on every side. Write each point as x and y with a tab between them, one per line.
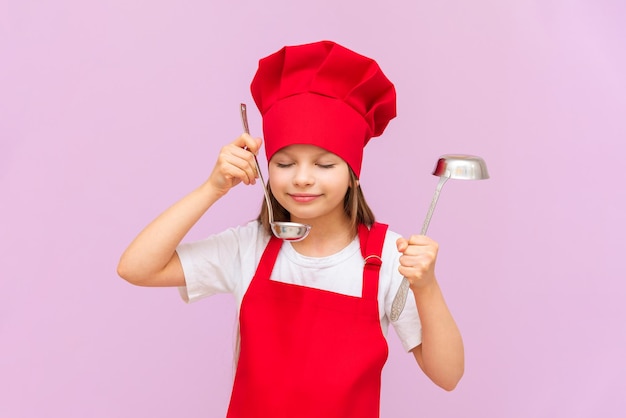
326	237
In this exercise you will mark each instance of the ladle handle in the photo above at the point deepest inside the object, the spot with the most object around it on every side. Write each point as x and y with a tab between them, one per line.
246	129
399	301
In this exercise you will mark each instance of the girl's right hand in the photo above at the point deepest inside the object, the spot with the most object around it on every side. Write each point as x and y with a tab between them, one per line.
151	259
235	164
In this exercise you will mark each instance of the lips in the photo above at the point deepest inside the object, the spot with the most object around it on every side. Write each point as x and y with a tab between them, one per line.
304	197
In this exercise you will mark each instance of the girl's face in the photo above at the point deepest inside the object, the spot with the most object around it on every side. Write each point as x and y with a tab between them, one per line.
309	182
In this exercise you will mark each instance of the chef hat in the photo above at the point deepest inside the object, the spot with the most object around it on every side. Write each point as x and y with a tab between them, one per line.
322	94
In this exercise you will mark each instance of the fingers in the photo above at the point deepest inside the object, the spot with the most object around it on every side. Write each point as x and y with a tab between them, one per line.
240	154
235	163
238	158
247	142
419	255
414	243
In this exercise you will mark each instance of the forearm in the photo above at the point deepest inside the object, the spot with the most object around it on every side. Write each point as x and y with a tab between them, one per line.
441	354
151	251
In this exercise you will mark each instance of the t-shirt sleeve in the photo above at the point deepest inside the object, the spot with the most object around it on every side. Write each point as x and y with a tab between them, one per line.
220	263
408	326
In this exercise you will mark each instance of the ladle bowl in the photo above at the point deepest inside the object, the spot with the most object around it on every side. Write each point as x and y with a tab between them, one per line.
288	231
450	166
461	167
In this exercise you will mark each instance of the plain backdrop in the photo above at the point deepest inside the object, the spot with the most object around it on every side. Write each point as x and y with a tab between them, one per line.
112	110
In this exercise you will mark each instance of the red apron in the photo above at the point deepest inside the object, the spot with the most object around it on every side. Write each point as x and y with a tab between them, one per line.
307	352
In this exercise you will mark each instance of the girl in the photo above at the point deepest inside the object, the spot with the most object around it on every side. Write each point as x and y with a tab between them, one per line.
313	314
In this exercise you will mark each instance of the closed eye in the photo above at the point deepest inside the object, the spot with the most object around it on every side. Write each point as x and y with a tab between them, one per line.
283	165
326	165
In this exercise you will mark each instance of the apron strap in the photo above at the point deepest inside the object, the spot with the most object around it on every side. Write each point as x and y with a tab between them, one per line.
371	240
371	248
268	259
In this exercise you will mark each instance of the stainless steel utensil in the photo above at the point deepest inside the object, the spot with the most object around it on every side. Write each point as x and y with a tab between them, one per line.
459	167
288	231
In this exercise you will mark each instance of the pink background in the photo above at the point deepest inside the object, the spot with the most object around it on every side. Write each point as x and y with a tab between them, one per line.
110	111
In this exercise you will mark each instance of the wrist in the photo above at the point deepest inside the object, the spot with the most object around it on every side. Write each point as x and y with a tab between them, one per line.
425	289
211	191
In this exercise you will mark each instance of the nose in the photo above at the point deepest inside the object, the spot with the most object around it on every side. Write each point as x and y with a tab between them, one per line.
303	175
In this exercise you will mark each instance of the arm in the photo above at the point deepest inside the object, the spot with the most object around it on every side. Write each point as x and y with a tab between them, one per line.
441	354
151	259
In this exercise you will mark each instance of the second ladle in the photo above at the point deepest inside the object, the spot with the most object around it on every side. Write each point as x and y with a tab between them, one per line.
460	167
288	231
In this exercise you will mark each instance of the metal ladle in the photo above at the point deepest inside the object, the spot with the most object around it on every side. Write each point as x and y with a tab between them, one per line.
288	231
459	167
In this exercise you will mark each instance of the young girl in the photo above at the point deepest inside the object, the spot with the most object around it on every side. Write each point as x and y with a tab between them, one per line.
313	314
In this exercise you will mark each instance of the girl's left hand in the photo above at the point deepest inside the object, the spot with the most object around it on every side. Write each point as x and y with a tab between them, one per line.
417	262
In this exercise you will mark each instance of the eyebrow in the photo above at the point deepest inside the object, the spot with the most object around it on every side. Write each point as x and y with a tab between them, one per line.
317	154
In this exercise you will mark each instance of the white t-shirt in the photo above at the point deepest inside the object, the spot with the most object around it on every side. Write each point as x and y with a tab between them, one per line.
226	263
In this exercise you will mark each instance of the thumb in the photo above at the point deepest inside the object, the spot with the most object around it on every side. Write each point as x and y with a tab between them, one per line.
402	244
259	142
257	145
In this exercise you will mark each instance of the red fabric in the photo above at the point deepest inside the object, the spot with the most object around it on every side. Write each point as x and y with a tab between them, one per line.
310	353
322	94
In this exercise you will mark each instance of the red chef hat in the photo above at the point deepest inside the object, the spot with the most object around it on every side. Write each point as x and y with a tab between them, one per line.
322	94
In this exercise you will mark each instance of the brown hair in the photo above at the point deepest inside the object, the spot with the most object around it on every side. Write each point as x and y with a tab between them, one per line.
354	205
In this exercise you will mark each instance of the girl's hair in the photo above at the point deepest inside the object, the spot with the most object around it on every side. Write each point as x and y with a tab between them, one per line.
354	205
